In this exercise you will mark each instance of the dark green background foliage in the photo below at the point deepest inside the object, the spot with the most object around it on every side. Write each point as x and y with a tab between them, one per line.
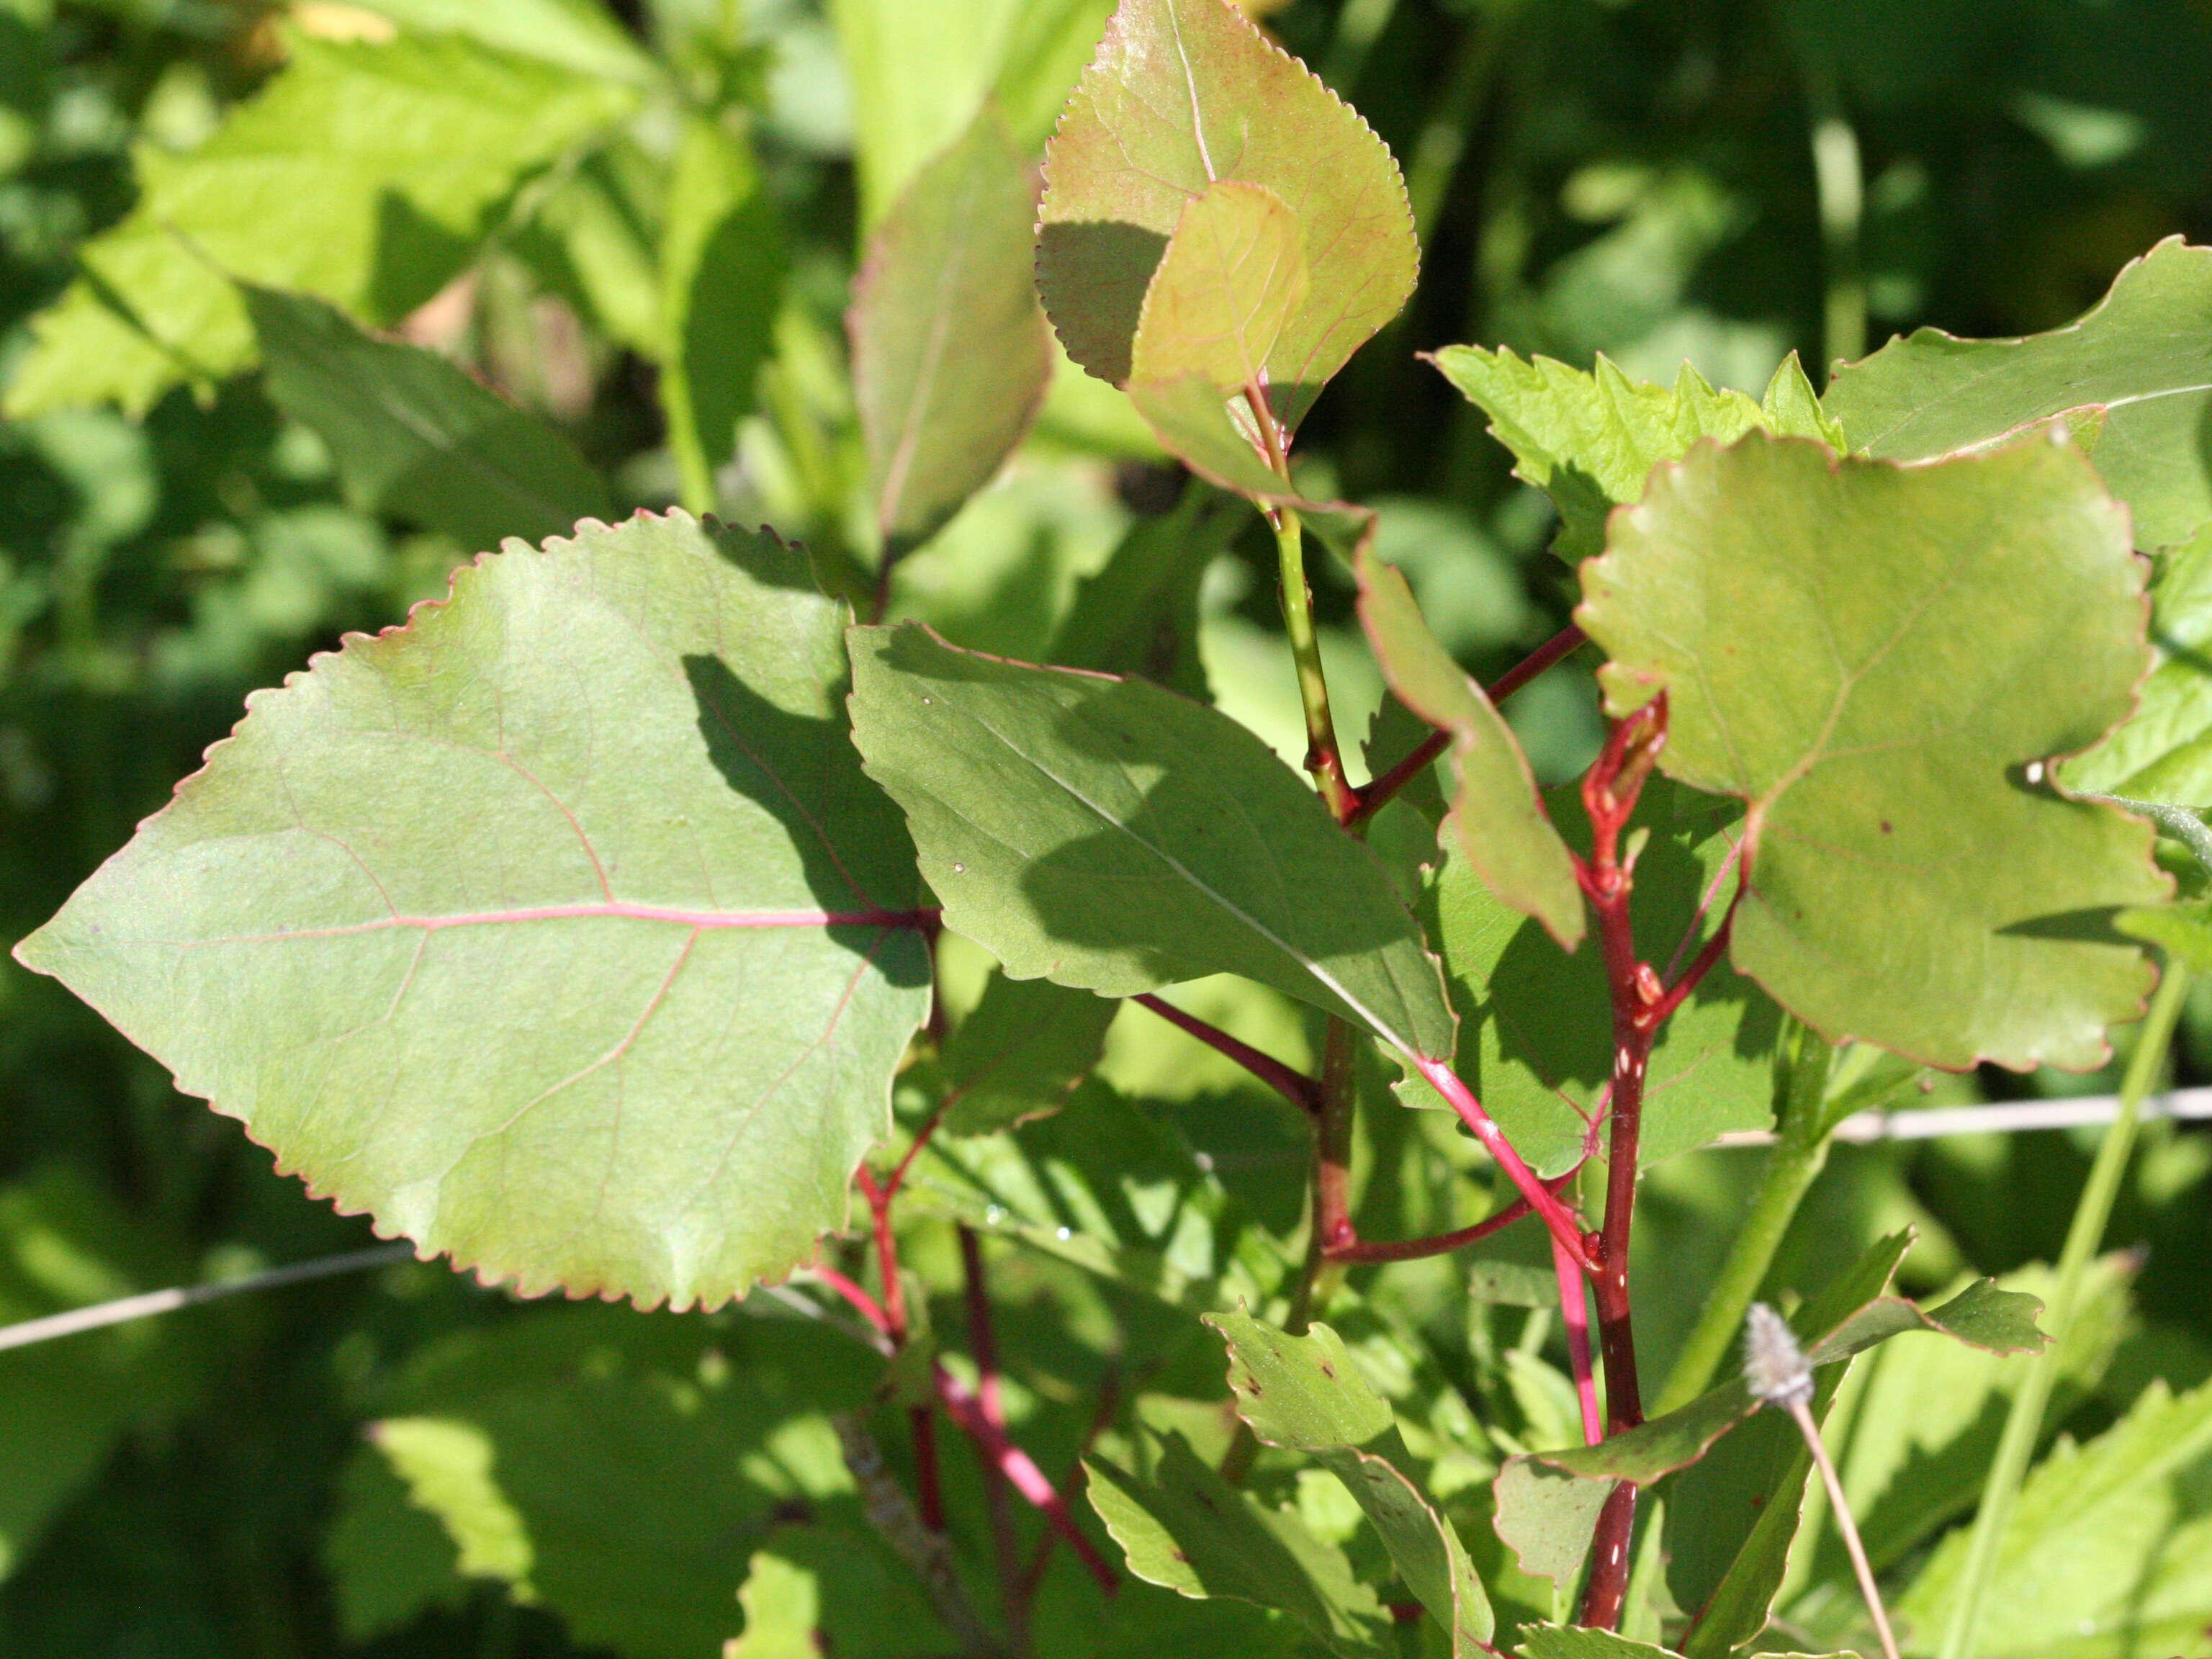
656	266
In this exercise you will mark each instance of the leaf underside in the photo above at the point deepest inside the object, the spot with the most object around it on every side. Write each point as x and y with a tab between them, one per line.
557	930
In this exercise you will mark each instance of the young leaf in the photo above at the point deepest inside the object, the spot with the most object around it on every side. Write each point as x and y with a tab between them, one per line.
2142	356
361	173
1305	1392
1108	835
1020	1052
723	254
1537	1039
1191	1531
1591	440
557	930
2108	1544
1232	279
951	358
414	436
1185	94
1807	619
2163	750
1139	615
1497	815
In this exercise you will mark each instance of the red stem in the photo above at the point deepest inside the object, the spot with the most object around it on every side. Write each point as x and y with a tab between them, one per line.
1566	1229
1020	1471
983	1348
1295	1087
1109	1401
929	1485
867	1307
1609	795
1575	1312
1372	796
1414	1249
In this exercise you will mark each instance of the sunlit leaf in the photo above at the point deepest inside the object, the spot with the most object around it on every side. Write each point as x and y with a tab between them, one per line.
576	34
1232	279
2142	356
1845	646
2163	750
1019	1054
1184	95
1112	837
558	930
1591	439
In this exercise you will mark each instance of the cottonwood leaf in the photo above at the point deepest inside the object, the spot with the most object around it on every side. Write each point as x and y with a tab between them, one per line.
1536	1038
1868	655
724	253
1184	95
950	357
1583	1642
1232	279
1020	1052
2142	356
1190	1531
1590	439
2163	750
557	930
1497	815
1306	1393
1112	837
413	436
365	175
2107	1552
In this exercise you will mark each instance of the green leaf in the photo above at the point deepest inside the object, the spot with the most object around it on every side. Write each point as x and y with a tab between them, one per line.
1546	1517
1139	614
364	174
1111	837
1233	278
1591	439
1497	815
723	256
1582	1642
2184	931
2108	1551
1020	1052
2142	356
783	1607
389	1561
414	436
598	1463
2162	751
1536	1040
557	930
1805	617
576	34
1306	1393
951	355
1185	94
1189	1530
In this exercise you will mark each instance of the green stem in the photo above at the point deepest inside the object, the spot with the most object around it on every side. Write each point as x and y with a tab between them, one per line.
2024	1423
1799	1152
1322	759
1839	179
694	473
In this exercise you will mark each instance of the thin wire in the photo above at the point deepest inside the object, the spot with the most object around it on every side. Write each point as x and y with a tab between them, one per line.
125	1309
2006	1117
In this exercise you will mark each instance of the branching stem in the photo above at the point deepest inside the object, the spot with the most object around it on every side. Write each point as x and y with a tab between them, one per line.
1414	1249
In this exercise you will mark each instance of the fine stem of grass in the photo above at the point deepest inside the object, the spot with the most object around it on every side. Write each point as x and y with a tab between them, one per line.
2024	1423
1803	1412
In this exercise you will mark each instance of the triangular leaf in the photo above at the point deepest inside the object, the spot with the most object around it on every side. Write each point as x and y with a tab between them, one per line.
414	437
2142	355
1185	94
558	930
1112	837
951	358
1496	814
1805	616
